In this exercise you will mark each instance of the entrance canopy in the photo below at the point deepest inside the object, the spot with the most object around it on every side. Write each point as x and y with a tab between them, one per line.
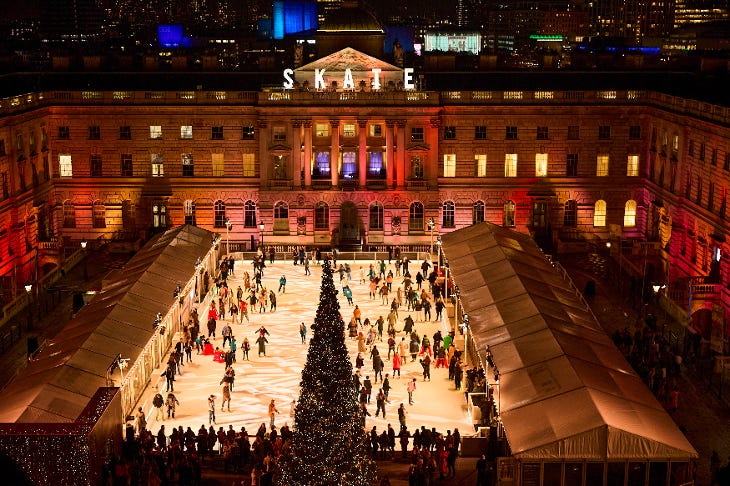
565	391
57	386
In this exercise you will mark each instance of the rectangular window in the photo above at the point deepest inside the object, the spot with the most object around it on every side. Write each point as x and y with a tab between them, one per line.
155	132
377	131
571	165
510	133
94	132
188	166
573	132
604	132
64	133
602	165
279	134
702	151
96	170
691	148
713	160
348	130
322	130
19	146
543	133
480	165
635	132
125	132
417	134
218	165
249	165
541	165
375	164
126	169
31	143
65	166
449	165
158	169
480	132
349	165
632	166
450	133
216	133
675	145
248	133
186	132
510	165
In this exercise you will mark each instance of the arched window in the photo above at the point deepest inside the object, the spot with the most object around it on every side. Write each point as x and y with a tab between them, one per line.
447	214
599	213
69	215
477	212
219	214
376	216
159	215
570	218
415	216
322	216
189	208
98	211
630	213
508	217
249	214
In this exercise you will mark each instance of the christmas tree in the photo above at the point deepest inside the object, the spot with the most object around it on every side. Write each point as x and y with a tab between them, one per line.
329	446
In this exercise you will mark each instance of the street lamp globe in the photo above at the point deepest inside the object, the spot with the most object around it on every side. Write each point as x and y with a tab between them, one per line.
261	229
28	288
83	244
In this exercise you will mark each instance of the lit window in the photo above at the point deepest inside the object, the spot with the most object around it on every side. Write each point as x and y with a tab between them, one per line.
348	130
322	164
449	165
249	165
159	215
632	166
186	131
541	165
65	165
375	165
218	165
599	213
602	165
376	130
322	130
349	165
415	216
155	132
480	165
510	165
630	213
157	165
188	167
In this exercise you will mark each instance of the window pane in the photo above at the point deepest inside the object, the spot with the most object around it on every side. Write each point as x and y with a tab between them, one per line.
449	165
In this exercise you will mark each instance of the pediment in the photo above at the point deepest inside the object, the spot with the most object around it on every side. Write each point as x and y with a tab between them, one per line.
356	61
418	147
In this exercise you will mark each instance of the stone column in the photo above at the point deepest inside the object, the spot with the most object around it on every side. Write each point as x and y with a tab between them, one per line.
296	153
400	156
307	153
335	152
389	160
362	157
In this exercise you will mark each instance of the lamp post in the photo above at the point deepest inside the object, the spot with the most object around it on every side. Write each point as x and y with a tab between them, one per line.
431	226
86	269
261	230
229	227
29	291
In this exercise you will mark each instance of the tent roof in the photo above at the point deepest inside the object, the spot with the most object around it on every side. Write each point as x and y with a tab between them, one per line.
565	391
57	386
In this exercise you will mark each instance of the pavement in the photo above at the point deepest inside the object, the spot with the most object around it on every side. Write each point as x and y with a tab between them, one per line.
437	404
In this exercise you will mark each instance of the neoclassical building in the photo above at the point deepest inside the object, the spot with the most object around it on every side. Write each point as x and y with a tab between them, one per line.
352	151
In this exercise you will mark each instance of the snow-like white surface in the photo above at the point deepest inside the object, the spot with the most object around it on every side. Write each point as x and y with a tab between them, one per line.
436	402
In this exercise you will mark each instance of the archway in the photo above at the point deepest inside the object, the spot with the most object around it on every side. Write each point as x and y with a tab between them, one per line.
350	227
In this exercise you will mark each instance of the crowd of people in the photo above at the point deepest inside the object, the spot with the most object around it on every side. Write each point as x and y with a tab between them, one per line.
180	454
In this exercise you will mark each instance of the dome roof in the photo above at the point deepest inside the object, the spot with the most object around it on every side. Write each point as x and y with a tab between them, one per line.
351	18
